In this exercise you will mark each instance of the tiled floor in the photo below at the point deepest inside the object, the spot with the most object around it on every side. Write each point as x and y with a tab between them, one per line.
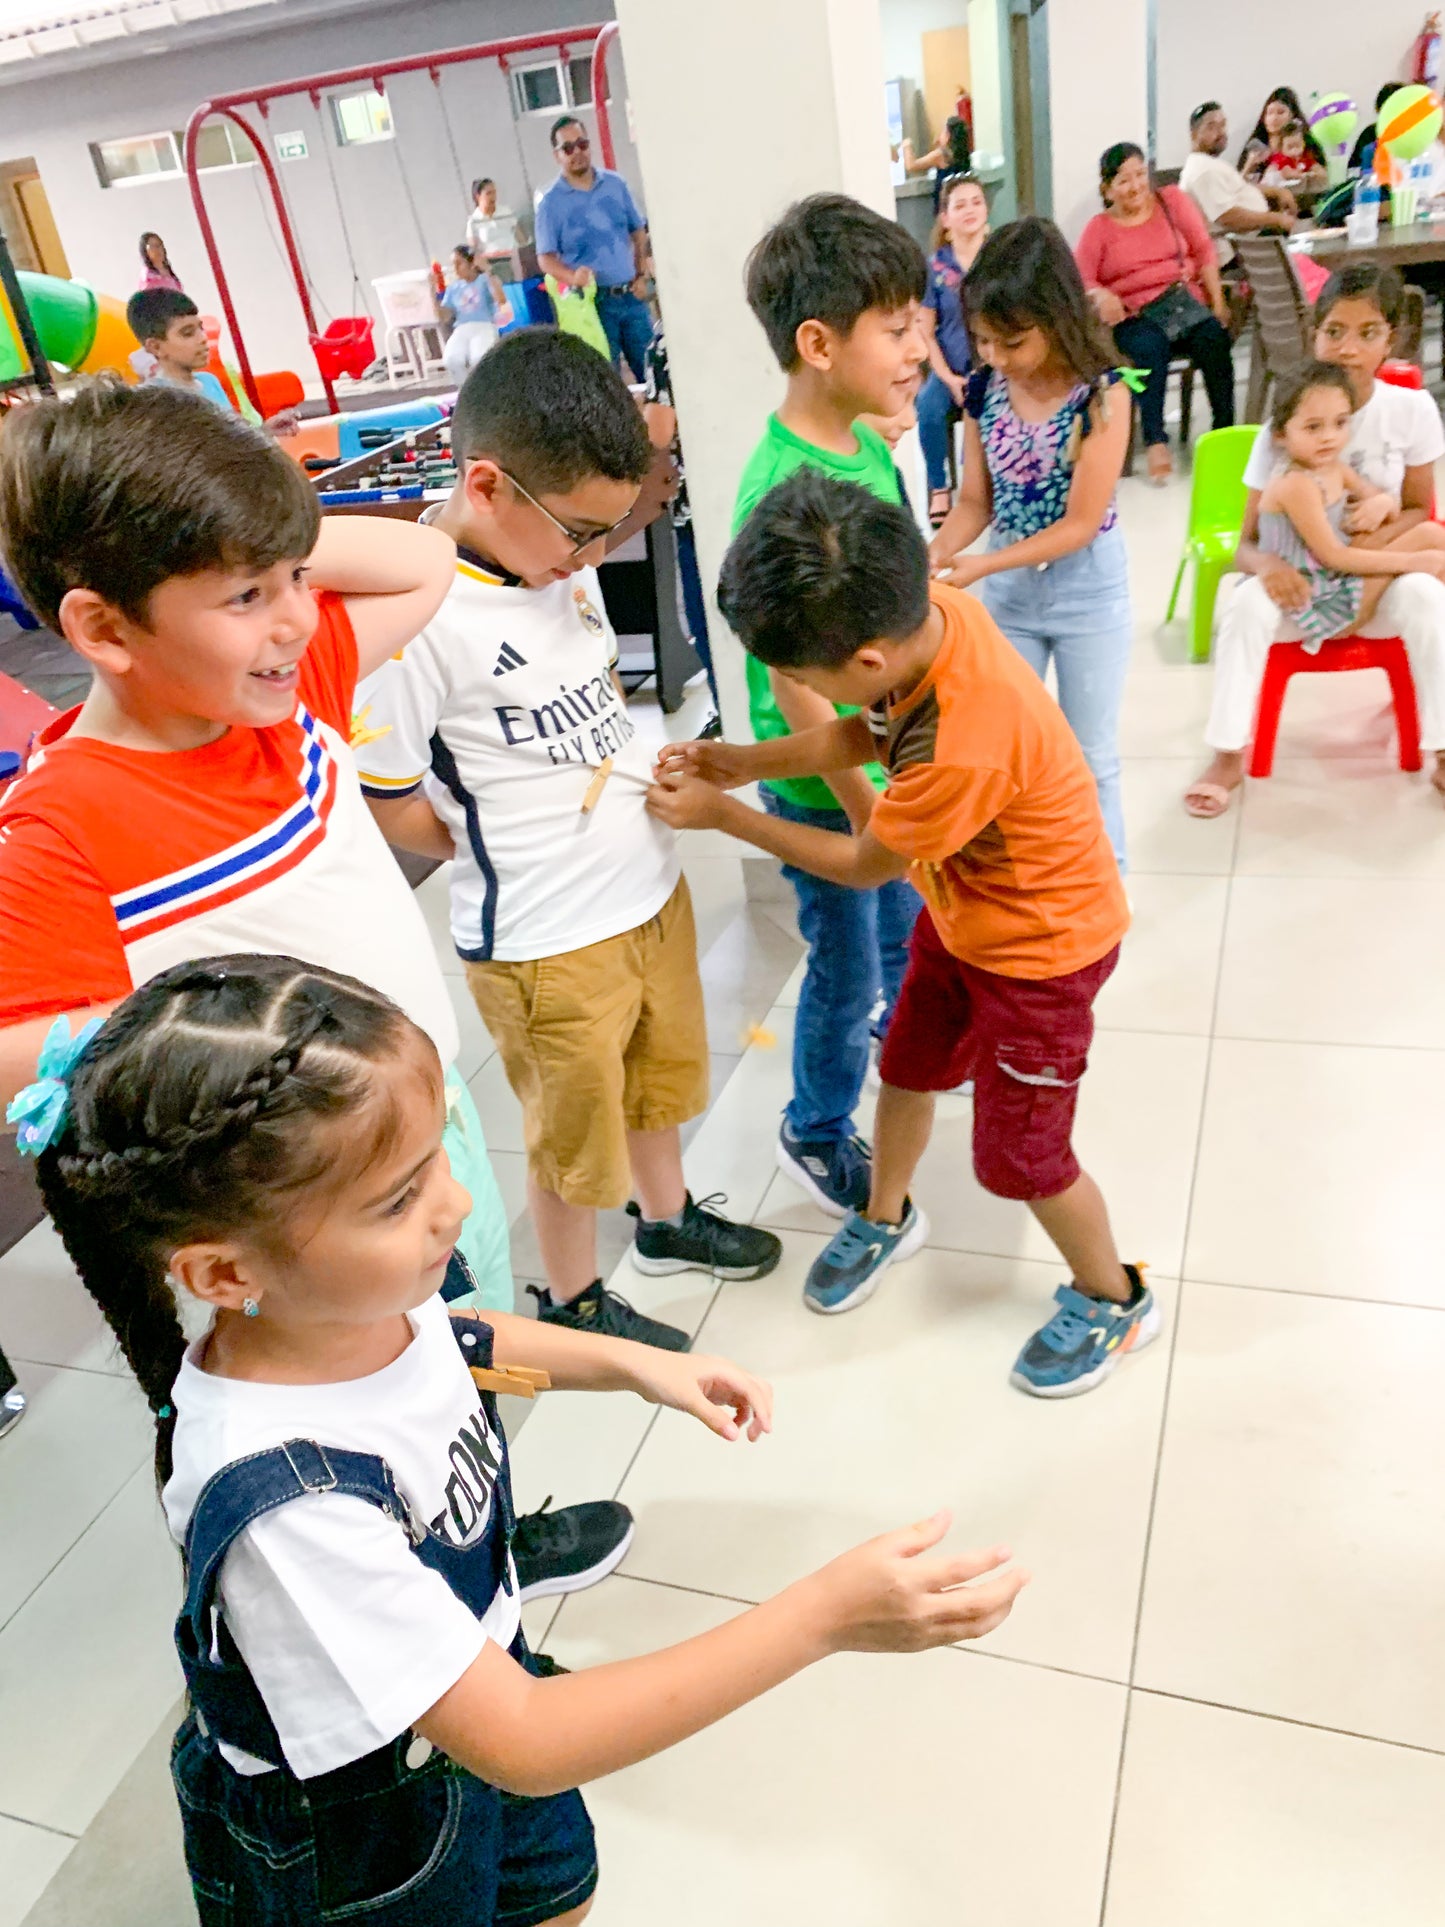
1219	1704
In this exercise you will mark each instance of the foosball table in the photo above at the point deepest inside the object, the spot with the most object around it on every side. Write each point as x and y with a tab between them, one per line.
403	473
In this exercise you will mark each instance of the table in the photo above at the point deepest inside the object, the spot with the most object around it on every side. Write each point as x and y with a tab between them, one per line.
1396	247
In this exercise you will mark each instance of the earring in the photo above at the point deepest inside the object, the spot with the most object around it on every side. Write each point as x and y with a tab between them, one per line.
251	1308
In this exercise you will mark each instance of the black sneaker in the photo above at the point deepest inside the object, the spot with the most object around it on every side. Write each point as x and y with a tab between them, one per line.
12	1399
568	1551
596	1310
704	1241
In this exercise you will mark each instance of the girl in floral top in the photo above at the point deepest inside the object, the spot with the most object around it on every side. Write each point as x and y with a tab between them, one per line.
1046	431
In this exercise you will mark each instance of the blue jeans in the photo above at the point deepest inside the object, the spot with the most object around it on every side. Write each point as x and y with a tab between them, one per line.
1077	611
694	602
857	951
937	413
627	323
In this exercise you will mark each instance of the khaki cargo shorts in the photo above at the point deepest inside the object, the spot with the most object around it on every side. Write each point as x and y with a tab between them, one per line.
598	1042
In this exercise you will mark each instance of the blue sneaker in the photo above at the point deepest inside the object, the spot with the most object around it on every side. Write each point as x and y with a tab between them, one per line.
1084	1340
845	1273
836	1173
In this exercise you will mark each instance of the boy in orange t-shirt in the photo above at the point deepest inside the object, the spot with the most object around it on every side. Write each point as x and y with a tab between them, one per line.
992	809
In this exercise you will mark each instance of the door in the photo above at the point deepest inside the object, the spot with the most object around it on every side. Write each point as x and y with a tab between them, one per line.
44	235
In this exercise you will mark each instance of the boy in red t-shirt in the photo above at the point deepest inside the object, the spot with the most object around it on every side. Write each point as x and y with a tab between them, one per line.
990	807
203	799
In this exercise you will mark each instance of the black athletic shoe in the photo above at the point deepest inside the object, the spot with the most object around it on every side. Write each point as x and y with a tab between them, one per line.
596	1310
568	1551
704	1241
12	1399
545	1667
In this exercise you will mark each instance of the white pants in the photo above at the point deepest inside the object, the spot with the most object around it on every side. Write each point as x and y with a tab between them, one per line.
465	346
1413	608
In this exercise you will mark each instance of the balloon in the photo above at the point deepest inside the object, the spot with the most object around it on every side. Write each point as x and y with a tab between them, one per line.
1409	121
1333	119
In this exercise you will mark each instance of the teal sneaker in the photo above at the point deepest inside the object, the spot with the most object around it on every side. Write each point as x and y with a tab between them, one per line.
1084	1340
845	1273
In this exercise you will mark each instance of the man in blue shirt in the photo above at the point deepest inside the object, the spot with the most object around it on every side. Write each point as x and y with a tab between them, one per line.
589	229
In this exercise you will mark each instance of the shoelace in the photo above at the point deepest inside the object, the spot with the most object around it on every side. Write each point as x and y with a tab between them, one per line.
850	1243
1065	1329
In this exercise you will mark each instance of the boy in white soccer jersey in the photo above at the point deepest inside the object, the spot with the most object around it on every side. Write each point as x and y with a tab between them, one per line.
501	739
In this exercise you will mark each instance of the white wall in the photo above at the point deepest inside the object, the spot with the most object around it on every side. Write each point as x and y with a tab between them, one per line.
904	24
55	118
1237	53
1098	92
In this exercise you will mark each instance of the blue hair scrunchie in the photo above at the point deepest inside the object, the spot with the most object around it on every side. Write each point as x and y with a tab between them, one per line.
40	1110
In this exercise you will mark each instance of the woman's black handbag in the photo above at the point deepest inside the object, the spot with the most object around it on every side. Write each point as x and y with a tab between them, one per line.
1176	312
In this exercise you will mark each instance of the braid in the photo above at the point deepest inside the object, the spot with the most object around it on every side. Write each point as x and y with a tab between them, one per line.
191	1115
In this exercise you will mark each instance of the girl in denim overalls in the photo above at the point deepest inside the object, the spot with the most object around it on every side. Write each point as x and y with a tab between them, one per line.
368	1736
1046	434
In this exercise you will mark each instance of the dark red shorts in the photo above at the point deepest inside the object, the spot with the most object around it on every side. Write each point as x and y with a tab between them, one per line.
1025	1043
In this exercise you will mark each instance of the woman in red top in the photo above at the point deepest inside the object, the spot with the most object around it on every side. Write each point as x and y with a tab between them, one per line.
1146	245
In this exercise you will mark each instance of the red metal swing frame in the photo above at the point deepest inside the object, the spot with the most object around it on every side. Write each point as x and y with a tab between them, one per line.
227	107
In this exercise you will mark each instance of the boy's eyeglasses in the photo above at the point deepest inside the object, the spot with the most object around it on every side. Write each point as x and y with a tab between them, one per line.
573	147
576	543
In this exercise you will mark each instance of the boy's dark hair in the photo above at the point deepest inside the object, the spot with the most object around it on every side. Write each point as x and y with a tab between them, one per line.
564	120
1204	108
829	259
552	412
1292	391
150	311
819	569
193	1115
1026	277
118	489
1390	87
1363	281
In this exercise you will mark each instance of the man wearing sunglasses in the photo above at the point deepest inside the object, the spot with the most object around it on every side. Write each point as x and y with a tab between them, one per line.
589	230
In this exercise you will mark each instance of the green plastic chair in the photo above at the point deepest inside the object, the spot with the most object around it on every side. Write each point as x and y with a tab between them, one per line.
1216	515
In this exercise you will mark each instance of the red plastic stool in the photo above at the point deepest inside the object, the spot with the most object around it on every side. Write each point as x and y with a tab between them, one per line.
1288	659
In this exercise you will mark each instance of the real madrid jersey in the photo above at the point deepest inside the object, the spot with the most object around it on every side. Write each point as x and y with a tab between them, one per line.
505	711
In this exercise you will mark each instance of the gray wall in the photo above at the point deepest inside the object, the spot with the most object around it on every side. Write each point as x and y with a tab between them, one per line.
55	119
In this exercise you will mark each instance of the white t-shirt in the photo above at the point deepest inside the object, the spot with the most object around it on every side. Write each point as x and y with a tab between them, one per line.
348	1636
504	707
1398	428
1216	185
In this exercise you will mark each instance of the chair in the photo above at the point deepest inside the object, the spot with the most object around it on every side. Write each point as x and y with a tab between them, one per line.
1216	515
1281	324
1288	659
409	311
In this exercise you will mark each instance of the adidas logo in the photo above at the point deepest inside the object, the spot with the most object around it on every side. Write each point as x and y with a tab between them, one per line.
508	658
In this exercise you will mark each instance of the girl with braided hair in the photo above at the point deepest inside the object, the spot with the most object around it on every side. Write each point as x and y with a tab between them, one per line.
364	1712
1045	436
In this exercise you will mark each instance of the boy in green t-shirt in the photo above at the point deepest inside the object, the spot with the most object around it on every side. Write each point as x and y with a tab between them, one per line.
837	289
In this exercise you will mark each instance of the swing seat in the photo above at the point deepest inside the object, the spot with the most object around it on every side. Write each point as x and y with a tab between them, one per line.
348	347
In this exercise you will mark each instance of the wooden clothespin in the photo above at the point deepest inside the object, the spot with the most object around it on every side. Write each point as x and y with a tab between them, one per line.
595	787
522	1381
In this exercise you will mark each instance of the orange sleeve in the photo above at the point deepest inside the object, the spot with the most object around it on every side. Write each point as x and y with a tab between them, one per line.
62	946
930	811
328	670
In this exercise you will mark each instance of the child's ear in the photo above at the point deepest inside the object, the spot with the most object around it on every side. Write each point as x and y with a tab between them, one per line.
481	481
814	343
95	630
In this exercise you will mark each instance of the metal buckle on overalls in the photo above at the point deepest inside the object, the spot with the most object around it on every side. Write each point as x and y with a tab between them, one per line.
326	1484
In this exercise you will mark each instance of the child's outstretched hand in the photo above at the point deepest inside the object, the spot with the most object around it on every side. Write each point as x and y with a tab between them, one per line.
685	802
728	1400
886	1597
724	765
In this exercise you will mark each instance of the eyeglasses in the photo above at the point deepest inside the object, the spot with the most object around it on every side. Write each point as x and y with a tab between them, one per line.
573	147
576	543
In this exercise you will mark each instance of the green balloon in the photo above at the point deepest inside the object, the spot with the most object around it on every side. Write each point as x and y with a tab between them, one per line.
1409	121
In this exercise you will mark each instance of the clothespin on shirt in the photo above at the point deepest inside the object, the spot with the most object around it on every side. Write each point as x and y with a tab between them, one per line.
522	1381
596	786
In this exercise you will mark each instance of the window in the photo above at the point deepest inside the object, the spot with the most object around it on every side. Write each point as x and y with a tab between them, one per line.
579	77
539	89
361	117
149	157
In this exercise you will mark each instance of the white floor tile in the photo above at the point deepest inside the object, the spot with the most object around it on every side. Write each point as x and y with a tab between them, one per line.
87	1665
82	1438
893	1411
29	1858
1383	937
1296	1565
1163	838
1228	1819
871	1789
1168	967
1313	818
46	1314
476	1047
1319	1171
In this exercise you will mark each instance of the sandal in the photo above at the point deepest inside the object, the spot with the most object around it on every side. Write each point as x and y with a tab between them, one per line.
1213	799
936	515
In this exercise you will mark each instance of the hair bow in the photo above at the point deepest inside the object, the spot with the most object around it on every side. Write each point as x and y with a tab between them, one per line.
41	1108
1134	379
